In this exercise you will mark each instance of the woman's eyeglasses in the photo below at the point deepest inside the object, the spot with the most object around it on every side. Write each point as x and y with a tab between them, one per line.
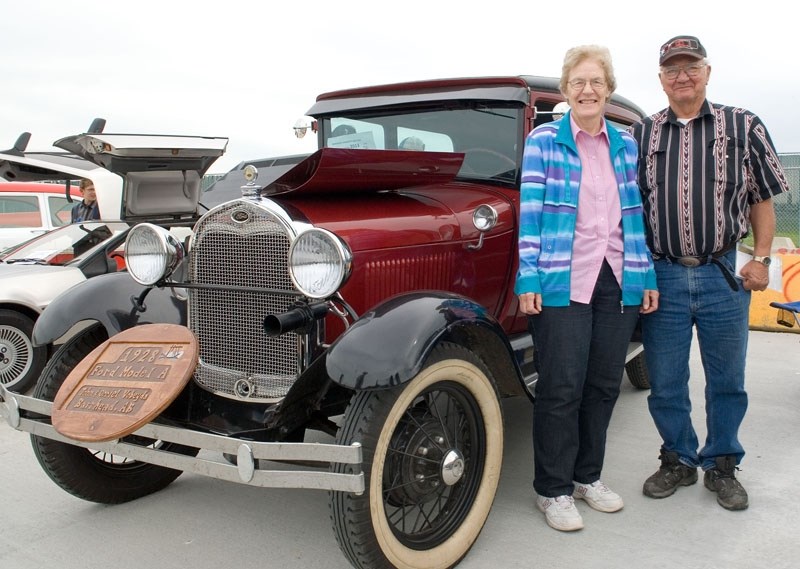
578	84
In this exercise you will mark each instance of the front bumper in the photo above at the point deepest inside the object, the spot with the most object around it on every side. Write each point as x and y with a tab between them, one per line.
252	456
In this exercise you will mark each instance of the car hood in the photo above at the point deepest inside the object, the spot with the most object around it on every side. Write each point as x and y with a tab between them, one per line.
337	170
35	285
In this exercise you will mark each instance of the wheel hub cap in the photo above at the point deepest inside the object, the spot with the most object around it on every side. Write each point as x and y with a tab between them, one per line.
452	467
16	353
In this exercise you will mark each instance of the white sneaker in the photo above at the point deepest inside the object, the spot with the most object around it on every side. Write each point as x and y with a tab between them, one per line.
598	496
560	512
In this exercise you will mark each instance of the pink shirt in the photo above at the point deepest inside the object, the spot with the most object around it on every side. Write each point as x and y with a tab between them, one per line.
598	226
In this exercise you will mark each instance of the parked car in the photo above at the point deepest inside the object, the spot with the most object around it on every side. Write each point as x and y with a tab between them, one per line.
30	209
33	274
351	314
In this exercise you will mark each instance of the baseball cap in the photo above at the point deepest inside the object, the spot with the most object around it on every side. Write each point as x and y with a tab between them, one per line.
681	45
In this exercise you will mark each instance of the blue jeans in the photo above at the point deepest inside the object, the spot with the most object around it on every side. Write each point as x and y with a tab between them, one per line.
701	298
581	352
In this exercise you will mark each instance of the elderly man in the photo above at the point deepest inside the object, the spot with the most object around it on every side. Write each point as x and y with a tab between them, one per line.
707	173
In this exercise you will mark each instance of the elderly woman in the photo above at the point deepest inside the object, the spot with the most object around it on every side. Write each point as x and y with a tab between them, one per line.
585	275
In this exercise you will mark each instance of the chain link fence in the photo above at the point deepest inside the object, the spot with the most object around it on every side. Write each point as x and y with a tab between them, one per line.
787	205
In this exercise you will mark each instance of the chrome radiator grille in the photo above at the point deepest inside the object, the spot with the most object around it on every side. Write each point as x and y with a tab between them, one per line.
237	359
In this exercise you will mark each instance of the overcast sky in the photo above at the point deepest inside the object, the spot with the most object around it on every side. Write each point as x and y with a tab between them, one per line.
248	70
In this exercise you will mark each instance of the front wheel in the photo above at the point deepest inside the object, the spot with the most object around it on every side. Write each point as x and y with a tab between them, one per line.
432	453
89	474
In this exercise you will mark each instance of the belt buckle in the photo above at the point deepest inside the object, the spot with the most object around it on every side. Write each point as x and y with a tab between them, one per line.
689	261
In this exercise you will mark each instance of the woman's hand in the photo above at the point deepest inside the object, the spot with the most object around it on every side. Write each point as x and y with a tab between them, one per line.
649	302
531	303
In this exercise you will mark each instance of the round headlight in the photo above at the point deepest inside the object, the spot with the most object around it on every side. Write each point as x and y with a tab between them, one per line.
484	218
318	263
151	253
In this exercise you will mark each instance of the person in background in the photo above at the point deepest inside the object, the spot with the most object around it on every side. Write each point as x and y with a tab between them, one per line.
87	209
412	143
707	173
584	277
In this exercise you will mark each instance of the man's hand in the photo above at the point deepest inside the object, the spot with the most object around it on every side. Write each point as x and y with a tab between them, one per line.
530	303
755	276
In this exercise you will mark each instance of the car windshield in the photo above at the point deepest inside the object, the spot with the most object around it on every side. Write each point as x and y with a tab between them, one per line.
488	133
62	245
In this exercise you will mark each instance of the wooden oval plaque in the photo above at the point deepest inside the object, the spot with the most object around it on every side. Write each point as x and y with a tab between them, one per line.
125	382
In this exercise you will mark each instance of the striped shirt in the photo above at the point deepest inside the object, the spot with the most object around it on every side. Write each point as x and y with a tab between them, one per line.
698	180
550	190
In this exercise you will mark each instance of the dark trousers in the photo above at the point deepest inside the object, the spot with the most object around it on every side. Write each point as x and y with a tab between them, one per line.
581	357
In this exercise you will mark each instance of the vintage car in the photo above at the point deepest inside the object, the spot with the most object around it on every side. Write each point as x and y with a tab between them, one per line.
33	274
347	323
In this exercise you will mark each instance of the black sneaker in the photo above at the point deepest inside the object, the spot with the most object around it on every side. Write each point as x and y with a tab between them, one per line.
672	474
721	479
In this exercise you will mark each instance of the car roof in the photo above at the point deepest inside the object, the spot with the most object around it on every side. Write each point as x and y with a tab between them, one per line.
501	88
38	188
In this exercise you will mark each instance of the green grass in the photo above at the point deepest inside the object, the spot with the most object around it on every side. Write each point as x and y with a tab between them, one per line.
794	235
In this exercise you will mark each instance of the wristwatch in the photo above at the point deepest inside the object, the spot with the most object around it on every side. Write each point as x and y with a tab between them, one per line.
763	260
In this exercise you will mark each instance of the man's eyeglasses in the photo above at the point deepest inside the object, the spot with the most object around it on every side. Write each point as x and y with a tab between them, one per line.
578	84
692	70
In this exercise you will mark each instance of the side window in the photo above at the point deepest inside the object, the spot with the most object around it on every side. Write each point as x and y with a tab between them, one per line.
60	210
546	112
20	211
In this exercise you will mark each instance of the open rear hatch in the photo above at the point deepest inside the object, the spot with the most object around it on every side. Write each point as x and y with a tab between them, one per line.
162	174
17	164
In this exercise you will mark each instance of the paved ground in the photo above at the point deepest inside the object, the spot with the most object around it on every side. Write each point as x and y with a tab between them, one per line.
207	524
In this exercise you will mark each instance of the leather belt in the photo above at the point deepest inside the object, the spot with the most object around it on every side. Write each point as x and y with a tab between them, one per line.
689	261
692	262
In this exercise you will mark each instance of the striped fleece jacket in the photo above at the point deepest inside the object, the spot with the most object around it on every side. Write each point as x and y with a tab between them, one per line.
549	208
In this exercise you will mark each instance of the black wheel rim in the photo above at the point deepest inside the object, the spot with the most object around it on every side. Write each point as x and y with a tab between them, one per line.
434	465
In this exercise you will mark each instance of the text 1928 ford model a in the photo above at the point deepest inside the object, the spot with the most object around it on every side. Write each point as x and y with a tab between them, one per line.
364	292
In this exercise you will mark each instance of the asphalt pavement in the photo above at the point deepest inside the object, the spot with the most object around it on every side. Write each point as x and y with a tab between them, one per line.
209	524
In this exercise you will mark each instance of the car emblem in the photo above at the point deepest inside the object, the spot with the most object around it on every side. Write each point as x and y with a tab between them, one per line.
240	216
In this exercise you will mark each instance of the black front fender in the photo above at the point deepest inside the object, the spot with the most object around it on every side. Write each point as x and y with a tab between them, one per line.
389	344
107	299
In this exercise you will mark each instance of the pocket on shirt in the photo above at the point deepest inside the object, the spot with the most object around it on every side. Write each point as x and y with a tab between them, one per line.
655	170
730	156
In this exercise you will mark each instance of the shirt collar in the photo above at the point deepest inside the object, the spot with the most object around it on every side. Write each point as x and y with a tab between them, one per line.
705	109
576	129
